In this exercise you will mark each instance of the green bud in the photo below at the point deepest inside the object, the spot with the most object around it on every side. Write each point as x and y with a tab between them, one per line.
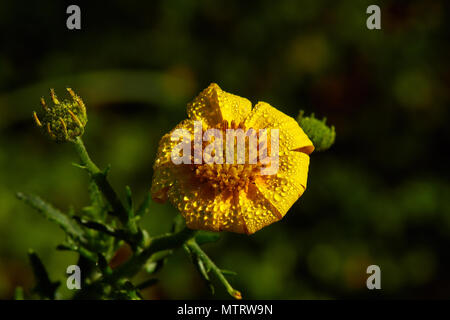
65	120
320	134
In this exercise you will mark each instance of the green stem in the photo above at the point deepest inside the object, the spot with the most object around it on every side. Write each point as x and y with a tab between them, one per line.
103	184
84	156
164	242
210	265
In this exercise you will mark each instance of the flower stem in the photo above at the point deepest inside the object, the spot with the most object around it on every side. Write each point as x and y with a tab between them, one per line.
157	244
210	265
84	156
103	184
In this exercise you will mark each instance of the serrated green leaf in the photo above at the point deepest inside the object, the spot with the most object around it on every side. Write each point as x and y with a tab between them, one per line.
98	206
54	215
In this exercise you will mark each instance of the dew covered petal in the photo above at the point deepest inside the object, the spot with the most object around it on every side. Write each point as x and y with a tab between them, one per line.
284	188
256	211
213	106
291	136
205	209
165	172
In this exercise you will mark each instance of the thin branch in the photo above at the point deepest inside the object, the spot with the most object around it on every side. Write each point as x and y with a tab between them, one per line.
103	184
210	265
164	242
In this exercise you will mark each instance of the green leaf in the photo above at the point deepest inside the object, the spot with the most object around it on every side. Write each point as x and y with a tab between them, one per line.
106	170
150	267
129	198
204	273
154	266
157	261
143	208
54	215
103	265
200	265
98	207
202	269
75	248
127	292
98	226
44	287
80	166
161	255
228	272
116	233
197	254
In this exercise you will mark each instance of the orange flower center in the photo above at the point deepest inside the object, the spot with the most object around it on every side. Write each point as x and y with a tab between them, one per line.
230	177
227	176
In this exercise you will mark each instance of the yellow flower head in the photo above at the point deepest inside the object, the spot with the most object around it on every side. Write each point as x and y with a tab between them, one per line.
233	197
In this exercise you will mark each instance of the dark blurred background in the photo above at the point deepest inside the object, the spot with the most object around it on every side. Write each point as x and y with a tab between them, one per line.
380	195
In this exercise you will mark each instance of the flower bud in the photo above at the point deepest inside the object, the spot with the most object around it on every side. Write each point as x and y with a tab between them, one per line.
320	134
64	120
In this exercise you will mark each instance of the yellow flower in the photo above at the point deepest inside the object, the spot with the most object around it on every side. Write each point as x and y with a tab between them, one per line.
233	197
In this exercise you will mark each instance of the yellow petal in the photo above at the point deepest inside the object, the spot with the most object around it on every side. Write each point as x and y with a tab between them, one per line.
213	105
165	172
291	136
164	177
244	212
284	188
255	210
166	145
203	209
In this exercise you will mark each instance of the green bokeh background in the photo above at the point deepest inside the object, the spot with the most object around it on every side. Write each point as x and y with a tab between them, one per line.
380	195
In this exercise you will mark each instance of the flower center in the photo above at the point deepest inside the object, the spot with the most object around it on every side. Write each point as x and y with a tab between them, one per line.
231	177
